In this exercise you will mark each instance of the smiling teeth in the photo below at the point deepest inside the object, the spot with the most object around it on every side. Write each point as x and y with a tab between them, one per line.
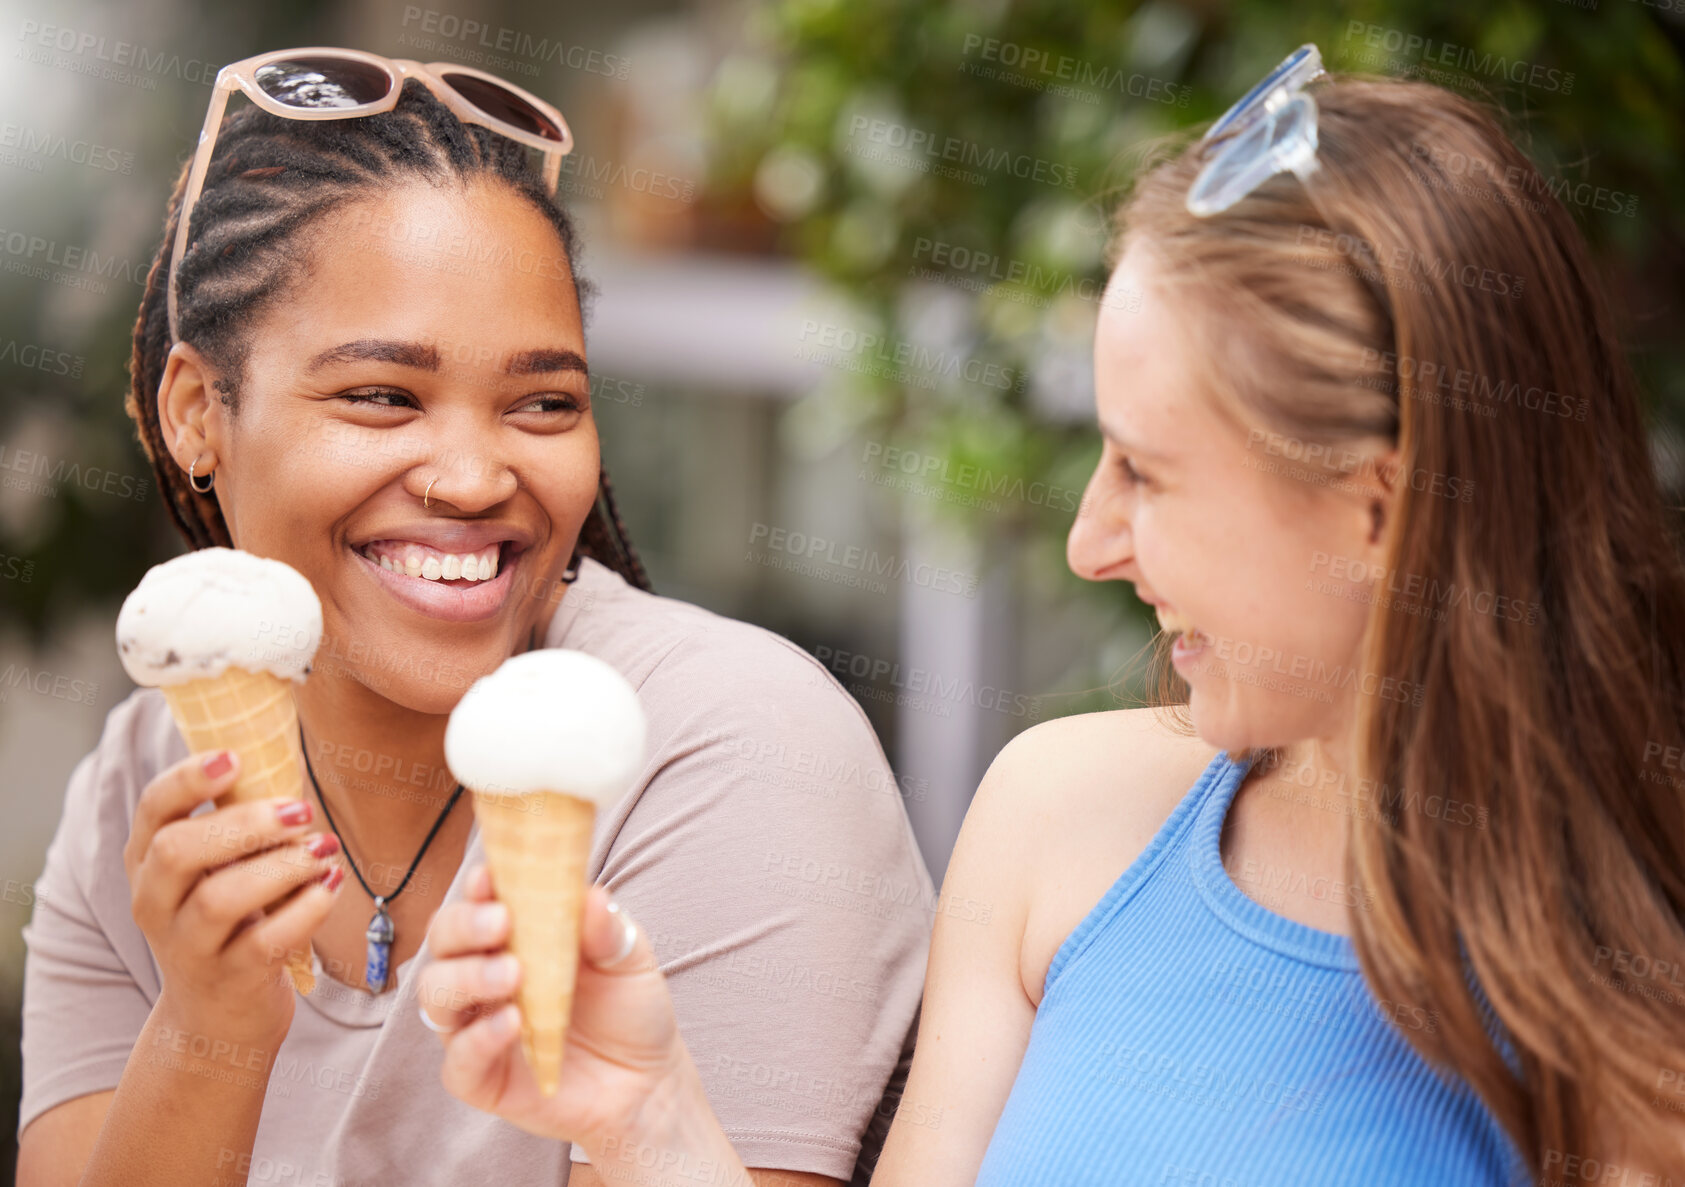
1172	622
416	560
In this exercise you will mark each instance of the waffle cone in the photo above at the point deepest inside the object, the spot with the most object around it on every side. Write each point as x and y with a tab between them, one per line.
254	715
538	846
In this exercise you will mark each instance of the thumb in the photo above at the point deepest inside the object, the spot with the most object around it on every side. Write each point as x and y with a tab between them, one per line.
611	941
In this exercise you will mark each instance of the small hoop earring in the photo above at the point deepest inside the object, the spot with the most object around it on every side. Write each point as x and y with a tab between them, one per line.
571	573
210	479
428	492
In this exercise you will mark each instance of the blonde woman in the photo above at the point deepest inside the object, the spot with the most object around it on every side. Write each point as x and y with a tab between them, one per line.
1372	452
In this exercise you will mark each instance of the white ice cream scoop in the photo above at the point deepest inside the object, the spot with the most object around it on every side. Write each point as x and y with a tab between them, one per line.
196	615
548	720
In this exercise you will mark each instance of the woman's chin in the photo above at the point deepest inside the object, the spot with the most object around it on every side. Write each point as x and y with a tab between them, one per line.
1218	724
1235	729
413	673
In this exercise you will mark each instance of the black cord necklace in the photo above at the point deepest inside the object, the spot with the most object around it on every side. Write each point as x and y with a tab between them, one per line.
380	933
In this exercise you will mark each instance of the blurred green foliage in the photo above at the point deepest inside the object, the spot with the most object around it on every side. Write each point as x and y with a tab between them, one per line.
784	101
1594	96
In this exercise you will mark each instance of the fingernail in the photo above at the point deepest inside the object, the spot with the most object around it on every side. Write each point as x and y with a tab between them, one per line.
501	974
488	920
506	1021
323	844
628	934
333	878
217	765
295	812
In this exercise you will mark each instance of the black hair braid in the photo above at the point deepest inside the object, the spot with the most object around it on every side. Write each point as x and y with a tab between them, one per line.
149	348
631	567
269	182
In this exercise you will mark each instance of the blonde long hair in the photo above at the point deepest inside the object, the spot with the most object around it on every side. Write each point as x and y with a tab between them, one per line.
1425	287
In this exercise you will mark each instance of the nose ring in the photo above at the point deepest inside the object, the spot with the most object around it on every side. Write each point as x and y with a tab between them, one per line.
429	491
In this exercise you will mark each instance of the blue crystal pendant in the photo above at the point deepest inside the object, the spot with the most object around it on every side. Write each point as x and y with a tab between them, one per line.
379	934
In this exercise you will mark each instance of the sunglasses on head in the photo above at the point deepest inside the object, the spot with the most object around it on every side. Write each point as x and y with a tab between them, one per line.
328	83
1272	129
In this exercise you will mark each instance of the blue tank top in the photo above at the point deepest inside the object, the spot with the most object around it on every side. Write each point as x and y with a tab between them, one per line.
1188	1035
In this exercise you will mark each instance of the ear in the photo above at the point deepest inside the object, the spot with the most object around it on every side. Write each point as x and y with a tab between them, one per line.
1376	503
190	410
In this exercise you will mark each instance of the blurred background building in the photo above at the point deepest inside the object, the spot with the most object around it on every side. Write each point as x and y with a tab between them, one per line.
843	381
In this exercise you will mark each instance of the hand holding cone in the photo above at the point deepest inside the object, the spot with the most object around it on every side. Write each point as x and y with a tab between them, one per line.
542	743
226	635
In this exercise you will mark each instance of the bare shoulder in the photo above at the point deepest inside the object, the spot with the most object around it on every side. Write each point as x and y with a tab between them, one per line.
1066	778
1078	799
1063	810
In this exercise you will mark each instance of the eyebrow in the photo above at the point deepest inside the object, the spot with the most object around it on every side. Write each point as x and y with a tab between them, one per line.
1124	443
543	361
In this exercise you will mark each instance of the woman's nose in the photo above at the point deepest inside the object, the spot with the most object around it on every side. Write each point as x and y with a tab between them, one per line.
1100	540
463	480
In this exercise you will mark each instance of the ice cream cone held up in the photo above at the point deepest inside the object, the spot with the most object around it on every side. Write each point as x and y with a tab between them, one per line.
542	743
226	636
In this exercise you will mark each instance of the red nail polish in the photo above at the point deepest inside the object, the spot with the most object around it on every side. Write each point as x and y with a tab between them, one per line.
323	844
295	812
333	878
217	765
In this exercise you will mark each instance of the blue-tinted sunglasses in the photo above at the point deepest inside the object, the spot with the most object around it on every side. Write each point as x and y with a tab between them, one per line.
1271	130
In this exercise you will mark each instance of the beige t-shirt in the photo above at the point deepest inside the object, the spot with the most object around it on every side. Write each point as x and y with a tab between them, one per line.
764	848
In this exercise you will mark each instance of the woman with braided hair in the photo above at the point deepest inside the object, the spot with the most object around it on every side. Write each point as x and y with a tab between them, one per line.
364	355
